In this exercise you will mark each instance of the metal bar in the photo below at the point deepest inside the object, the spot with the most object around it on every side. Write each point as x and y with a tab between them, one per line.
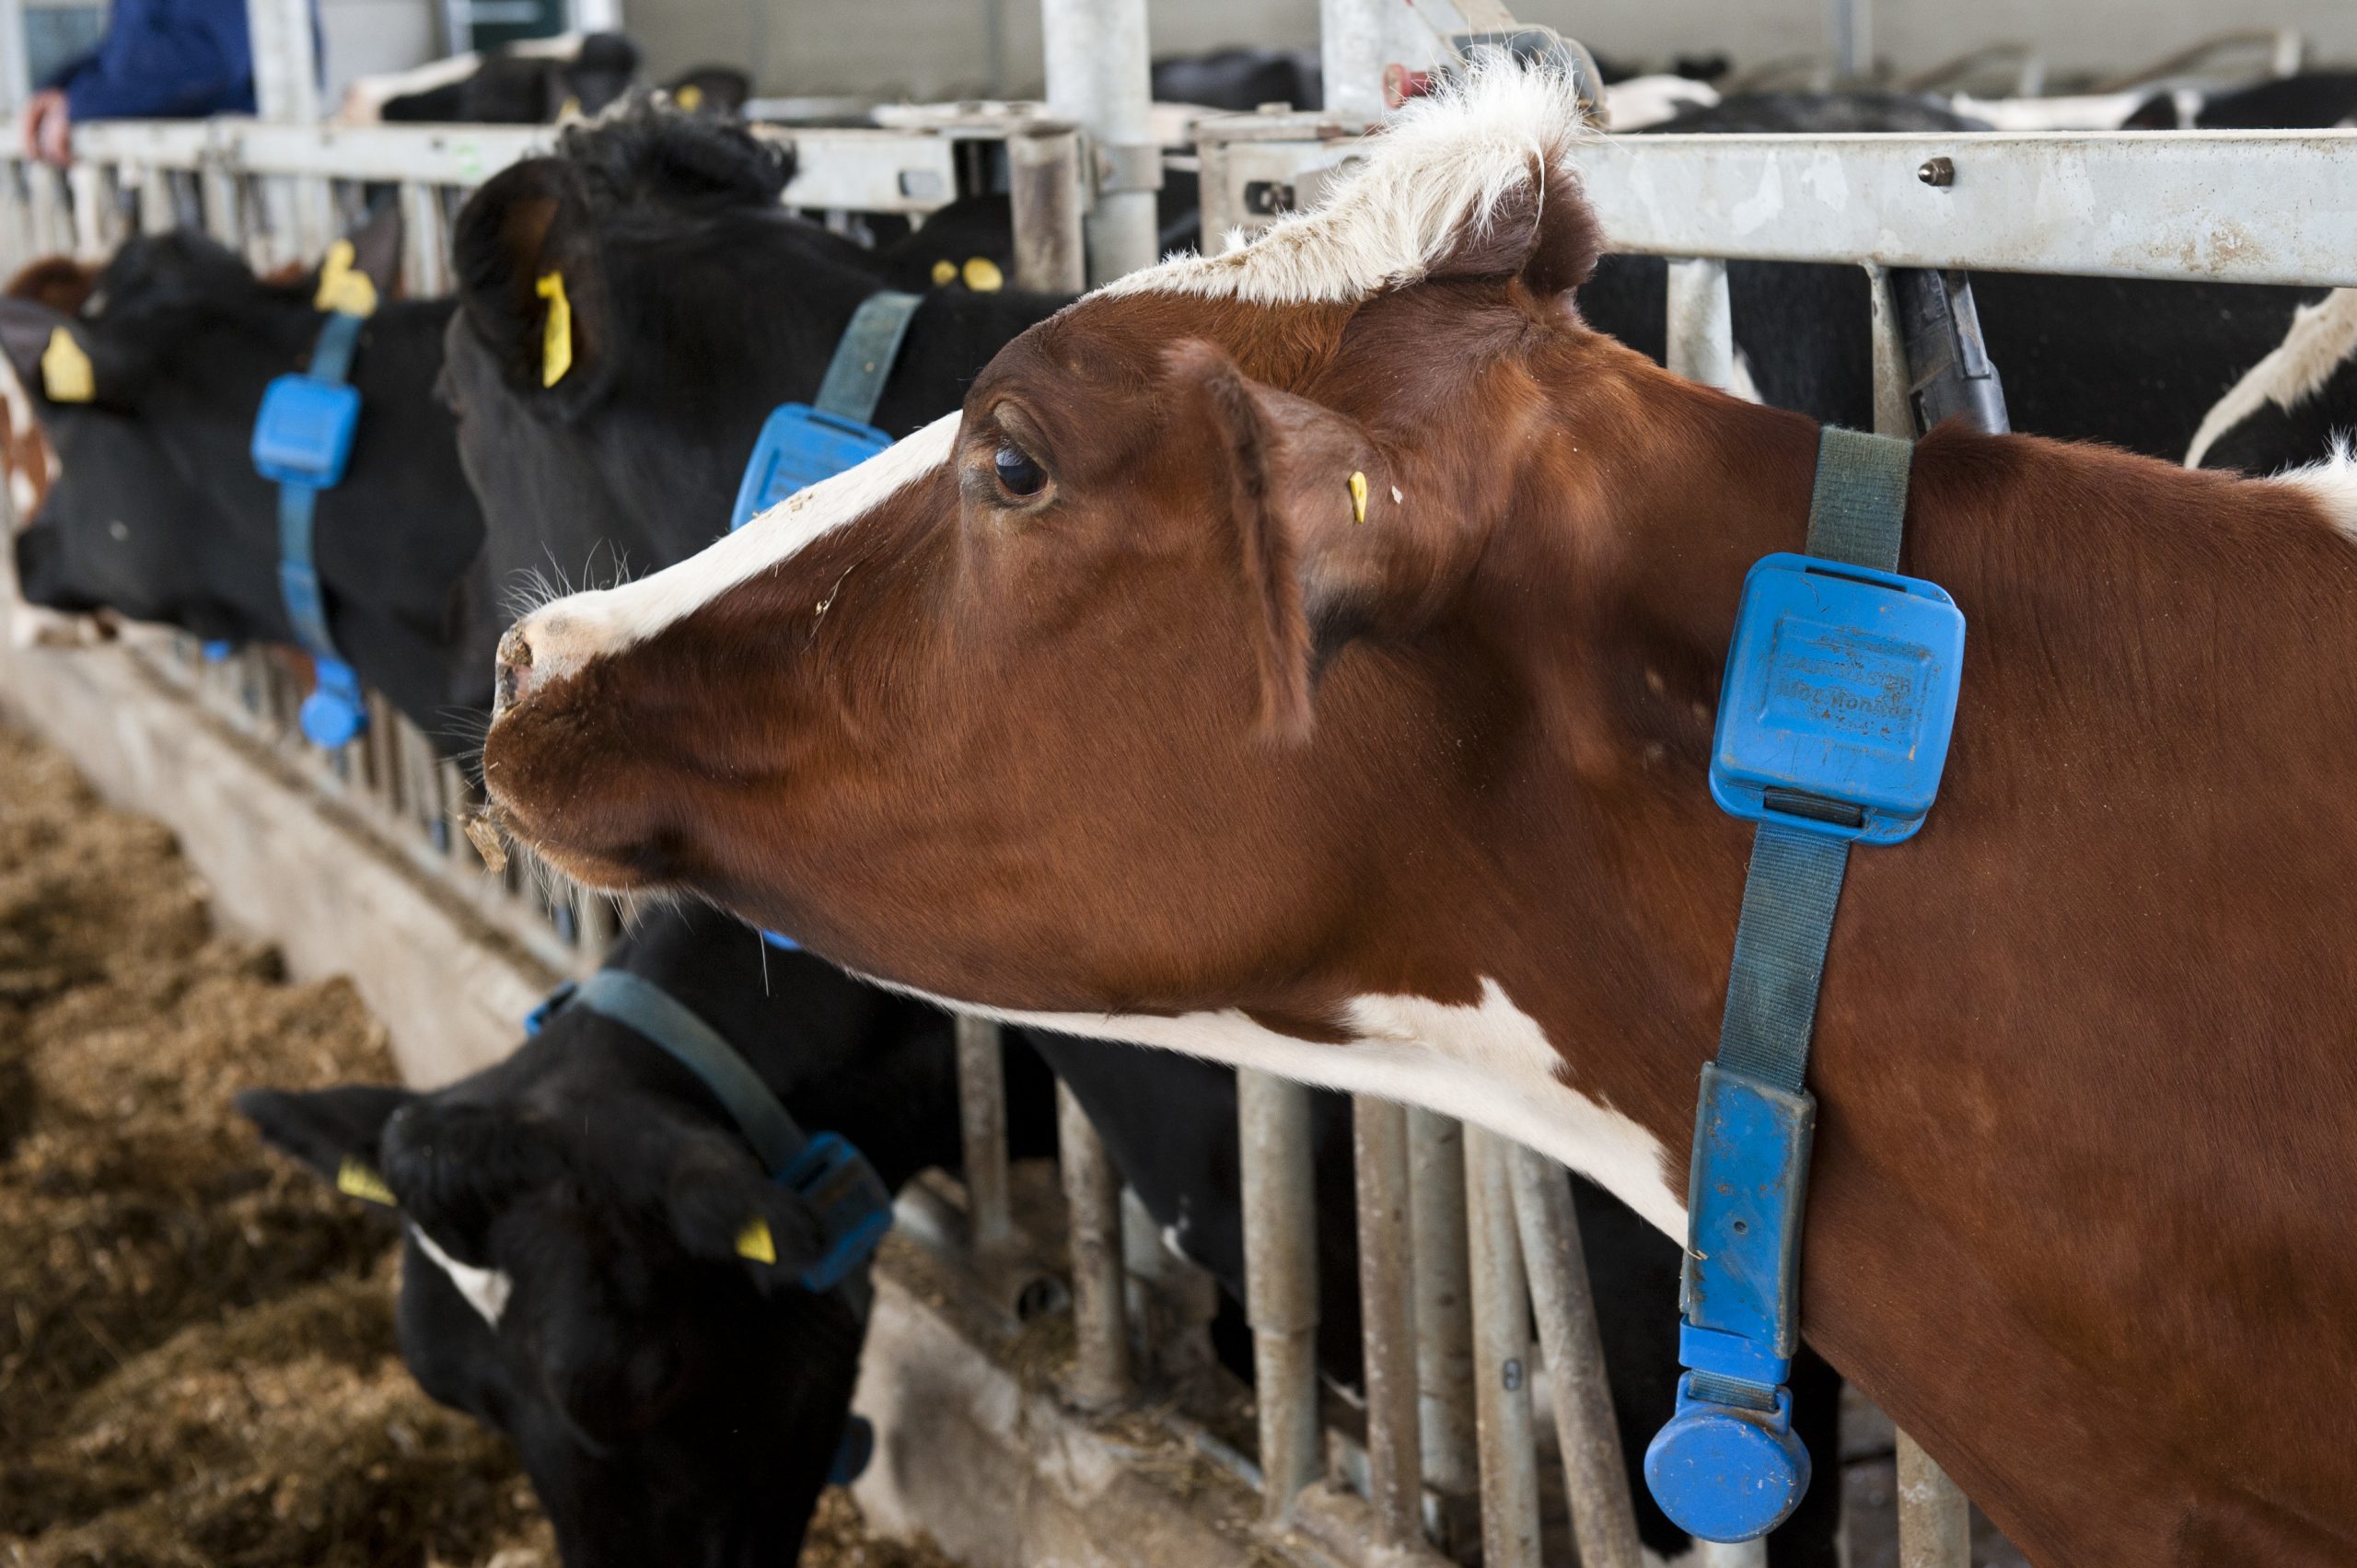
1387	1320
2161	205
982	1119
1351	55
1702	322
1935	1521
16	72
1893	413
1279	1280
1500	1360
1044	190
285	59
1595	1481
1850	37
1444	1307
1100	1376
1097	76
425	250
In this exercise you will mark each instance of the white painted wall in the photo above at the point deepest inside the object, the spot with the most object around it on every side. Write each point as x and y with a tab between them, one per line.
929	49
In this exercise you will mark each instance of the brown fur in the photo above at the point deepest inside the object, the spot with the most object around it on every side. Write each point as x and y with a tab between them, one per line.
2089	1094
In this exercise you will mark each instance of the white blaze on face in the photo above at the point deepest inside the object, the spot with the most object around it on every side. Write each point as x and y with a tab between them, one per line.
486	1290
568	633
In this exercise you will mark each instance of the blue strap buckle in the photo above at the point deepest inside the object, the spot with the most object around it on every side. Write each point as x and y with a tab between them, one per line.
798	446
1841	697
303	433
853	1206
1727	1472
335	713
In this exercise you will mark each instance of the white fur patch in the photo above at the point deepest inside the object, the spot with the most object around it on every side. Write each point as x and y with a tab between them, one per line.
1438	170
2332	485
486	1290
1640	101
2321	337
1487	1063
572	631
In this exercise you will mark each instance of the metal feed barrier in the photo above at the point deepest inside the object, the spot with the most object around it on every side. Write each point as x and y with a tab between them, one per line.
1472	1290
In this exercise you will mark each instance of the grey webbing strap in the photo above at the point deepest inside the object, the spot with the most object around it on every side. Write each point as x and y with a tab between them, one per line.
645	1008
862	361
1855	515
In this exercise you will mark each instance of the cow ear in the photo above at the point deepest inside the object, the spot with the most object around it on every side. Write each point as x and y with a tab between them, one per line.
1540	231
1320	531
722	1207
61	359
533	284
332	1131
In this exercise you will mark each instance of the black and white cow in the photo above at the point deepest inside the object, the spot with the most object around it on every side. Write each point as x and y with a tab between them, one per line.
530	82
157	512
2310	101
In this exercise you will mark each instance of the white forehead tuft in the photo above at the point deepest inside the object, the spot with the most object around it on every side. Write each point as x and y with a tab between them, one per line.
1440	168
605	621
486	1290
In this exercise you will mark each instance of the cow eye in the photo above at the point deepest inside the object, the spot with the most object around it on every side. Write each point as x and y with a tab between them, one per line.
1017	474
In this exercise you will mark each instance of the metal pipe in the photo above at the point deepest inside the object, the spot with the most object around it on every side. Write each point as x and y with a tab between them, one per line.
1387	1320
1595	1481
1893	413
1100	1375
982	1121
1279	1279
1702	322
16	71
1044	191
1099	77
285	59
1500	1360
1935	1521
1850	37
1443	1306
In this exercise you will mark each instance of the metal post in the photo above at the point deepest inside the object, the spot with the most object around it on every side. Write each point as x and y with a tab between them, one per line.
595	16
1387	1320
1444	1307
982	1119
286	59
1934	1522
1044	191
1850	37
16	69
1500	1360
1100	1376
1893	416
1098	75
1595	1483
425	251
1279	1280
1702	322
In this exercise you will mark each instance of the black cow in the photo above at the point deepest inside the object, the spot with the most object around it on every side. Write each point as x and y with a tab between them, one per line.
2311	100
570	1268
1241	79
697	306
158	512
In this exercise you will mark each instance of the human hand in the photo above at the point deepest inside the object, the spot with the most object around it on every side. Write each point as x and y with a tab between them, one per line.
47	127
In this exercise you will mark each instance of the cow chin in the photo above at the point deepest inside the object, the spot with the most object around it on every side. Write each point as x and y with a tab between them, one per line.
569	795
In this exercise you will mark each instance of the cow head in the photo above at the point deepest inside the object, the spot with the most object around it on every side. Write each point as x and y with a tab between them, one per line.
570	1278
1089	696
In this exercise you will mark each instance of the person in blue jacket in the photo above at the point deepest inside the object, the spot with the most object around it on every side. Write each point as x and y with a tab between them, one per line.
160	59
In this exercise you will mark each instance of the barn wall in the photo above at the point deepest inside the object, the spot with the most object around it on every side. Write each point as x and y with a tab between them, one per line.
937	47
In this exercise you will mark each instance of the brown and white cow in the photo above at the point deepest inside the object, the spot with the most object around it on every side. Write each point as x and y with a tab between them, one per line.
1096	705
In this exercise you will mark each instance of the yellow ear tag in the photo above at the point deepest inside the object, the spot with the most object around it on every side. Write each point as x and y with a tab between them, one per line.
983	276
356	1180
754	1241
65	372
1358	497
569	109
343	288
689	98
556	338
945	271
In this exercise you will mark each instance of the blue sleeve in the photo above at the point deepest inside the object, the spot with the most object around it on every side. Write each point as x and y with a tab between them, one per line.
166	59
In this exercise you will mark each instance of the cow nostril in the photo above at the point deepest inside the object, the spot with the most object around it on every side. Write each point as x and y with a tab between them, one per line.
514	661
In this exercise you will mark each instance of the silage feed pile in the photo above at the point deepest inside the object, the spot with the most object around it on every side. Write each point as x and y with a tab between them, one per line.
197	1356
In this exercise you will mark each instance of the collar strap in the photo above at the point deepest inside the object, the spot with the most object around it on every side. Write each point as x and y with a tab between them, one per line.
303	440
1833	727
801	444
848	1200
